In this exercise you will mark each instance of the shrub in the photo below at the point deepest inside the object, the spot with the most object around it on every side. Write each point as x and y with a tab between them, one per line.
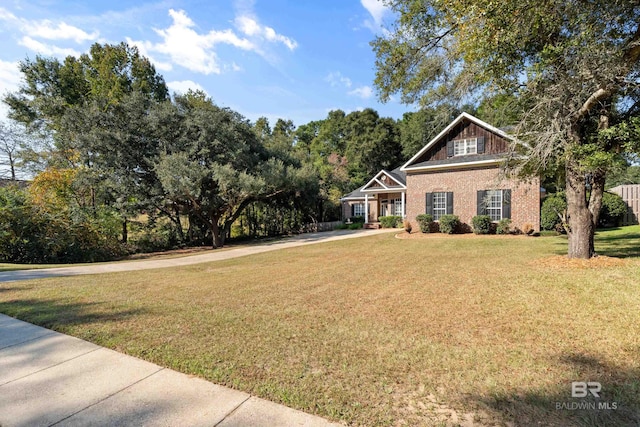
612	211
407	226
390	221
449	224
504	226
553	205
356	226
357	219
425	222
342	227
481	224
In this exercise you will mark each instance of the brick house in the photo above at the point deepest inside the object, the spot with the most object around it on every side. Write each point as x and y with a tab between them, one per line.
457	172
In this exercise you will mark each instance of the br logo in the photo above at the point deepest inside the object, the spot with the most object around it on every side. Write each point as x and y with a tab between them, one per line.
582	389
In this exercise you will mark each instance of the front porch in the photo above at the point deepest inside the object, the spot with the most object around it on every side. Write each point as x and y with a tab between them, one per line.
384	204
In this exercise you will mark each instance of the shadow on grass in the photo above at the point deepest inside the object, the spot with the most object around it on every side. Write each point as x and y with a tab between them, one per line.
55	314
618	245
618	403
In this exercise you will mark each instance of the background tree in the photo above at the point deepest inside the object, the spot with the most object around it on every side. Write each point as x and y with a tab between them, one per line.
573	63
13	139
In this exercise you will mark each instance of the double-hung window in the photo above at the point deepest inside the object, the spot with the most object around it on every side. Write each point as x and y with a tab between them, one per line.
358	209
494	204
462	147
397	207
439	203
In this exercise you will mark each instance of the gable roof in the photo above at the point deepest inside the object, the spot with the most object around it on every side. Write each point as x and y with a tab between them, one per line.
396	175
464	116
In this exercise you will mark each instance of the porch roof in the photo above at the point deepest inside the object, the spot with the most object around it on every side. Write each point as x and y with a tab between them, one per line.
394	181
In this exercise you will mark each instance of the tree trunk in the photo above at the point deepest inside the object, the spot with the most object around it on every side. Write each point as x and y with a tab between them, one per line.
580	218
217	237
595	199
125	233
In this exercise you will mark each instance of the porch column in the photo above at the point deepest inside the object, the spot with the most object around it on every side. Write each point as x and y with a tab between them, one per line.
366	208
404	212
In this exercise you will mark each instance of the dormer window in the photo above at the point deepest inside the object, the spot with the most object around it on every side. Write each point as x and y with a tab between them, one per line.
462	147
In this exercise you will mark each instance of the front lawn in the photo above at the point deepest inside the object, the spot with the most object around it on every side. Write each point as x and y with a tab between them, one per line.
379	330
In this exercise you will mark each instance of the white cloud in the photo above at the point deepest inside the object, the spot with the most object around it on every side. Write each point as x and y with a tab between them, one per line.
184	46
5	15
62	31
250	26
183	86
364	92
10	76
336	78
377	10
46	49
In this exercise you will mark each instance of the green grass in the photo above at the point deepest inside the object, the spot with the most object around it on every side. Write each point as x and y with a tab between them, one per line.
379	330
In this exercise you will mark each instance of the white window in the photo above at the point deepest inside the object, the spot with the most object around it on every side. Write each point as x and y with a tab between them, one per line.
439	205
397	207
465	146
358	209
494	204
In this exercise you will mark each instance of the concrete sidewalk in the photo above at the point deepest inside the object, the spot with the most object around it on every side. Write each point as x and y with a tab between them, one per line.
48	378
299	240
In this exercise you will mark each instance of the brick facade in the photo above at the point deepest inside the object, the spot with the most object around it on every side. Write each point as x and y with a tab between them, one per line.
465	183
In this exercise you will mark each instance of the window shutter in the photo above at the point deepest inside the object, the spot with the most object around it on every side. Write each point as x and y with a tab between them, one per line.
506	203
429	203
449	203
353	210
480	146
449	148
482	209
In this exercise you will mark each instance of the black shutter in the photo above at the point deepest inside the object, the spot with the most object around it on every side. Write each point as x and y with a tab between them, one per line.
482	207
480	145
506	203
429	203
450	149
449	203
353	210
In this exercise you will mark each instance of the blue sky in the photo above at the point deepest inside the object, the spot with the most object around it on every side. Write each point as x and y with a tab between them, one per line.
276	58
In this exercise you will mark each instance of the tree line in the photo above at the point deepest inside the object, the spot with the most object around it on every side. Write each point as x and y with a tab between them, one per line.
117	160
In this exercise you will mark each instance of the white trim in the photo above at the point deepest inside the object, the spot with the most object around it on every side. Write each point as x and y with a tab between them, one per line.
386	189
456	165
446	130
366	208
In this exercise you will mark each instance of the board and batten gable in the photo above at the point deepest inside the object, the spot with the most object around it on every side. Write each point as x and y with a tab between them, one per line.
493	143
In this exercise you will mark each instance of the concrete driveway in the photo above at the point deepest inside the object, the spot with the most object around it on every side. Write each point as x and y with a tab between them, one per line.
213	255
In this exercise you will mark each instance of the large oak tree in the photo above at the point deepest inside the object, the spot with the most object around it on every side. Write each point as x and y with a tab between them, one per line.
572	63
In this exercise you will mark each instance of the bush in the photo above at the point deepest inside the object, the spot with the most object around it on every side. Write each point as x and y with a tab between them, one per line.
481	224
356	226
342	227
504	226
357	219
612	211
390	221
553	205
449	224
425	222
